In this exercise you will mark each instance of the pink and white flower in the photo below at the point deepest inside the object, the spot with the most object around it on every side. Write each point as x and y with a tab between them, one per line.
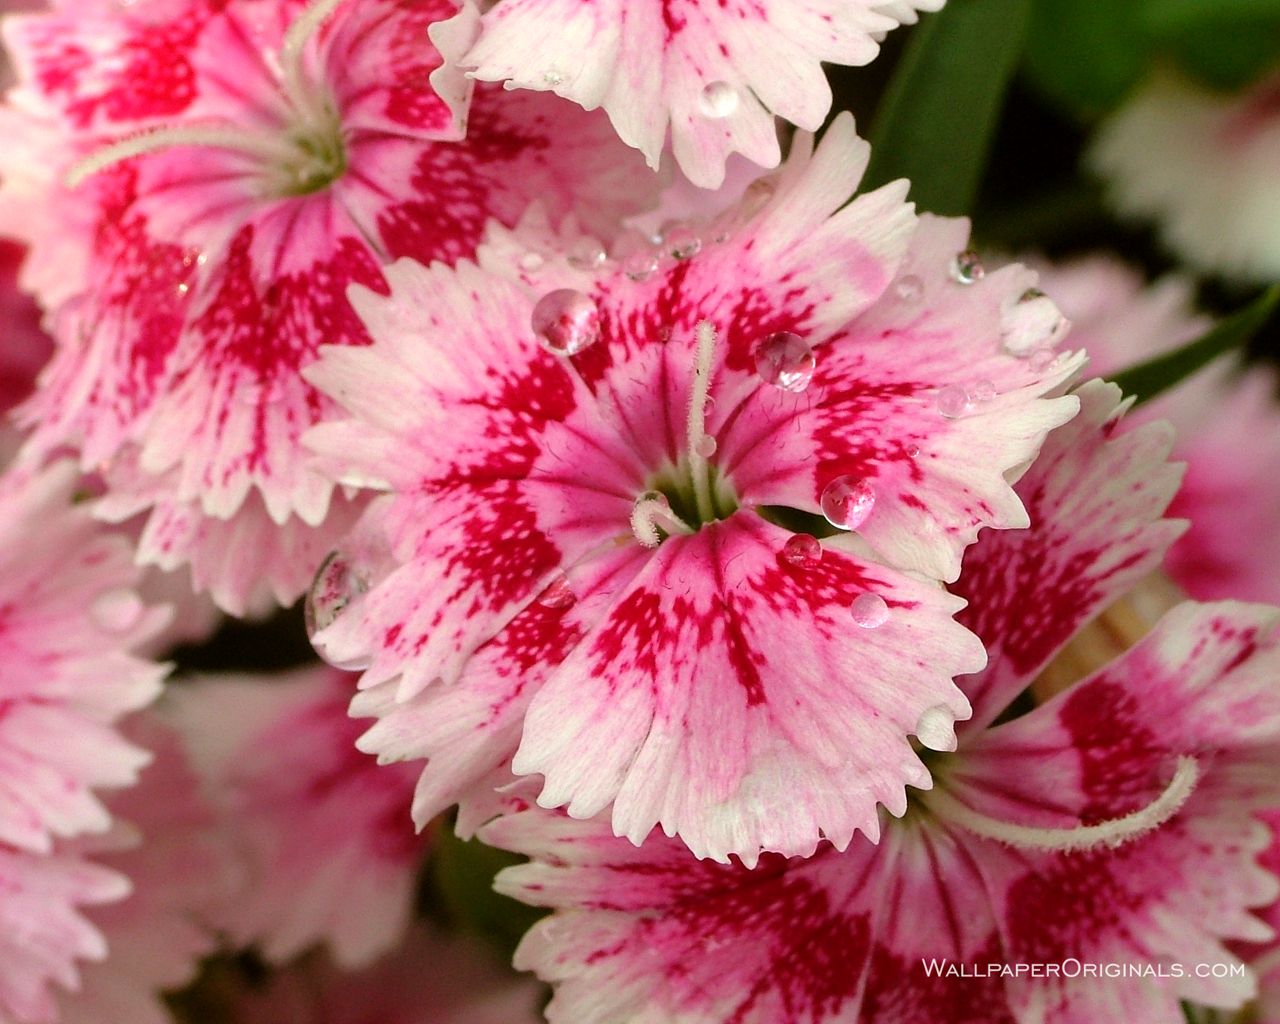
329	851
1202	165
168	843
593	561
430	978
1112	824
229	170
711	77
70	619
1227	421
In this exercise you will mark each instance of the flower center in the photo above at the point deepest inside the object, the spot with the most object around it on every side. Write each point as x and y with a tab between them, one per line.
301	157
685	497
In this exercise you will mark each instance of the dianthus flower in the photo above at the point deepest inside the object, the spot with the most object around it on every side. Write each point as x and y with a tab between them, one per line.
1112	825
229	169
69	621
1202	165
430	978
712	77
329	851
597	479
168	843
1227	420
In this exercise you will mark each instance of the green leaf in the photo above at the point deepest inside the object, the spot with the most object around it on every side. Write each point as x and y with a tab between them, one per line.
1085	55
1146	380
937	121
463	873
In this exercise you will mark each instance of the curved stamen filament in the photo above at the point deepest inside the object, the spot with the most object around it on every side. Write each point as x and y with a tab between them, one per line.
1084	837
697	424
218	136
651	515
293	69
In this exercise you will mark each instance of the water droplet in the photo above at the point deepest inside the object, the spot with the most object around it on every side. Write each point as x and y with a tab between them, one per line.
1042	359
558	594
936	728
337	583
682	242
847	501
566	321
909	288
913	451
802	550
718	99
953	401
587	254
183	288
966	267
532	261
118	610
640	265
653	496
869	610
1032	322
983	391
785	361
707	446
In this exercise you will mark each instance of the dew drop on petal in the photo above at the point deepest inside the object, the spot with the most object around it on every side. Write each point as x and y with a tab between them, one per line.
966	268
802	550
118	610
718	99
558	594
869	610
785	361
953	401
337	583
640	265
682	242
707	446
587	254
847	501
566	321
983	391
936	728
909	288
653	496
913	451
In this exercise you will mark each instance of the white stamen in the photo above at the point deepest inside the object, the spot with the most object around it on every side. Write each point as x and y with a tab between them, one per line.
698	470
1110	833
218	136
304	26
651	514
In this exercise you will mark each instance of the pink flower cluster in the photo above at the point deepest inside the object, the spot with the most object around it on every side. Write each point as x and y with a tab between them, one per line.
732	544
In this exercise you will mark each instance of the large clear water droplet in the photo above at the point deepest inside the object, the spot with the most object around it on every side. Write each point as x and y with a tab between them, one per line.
117	610
936	728
954	401
802	551
966	267
707	446
566	321
337	583
718	99
847	501
558	594
983	391
785	361
870	611
640	265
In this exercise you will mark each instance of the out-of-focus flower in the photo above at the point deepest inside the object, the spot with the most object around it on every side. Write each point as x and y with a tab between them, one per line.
1112	825
330	854
1203	166
24	347
595	477
229	170
168	843
1227	421
430	979
70	620
713	77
